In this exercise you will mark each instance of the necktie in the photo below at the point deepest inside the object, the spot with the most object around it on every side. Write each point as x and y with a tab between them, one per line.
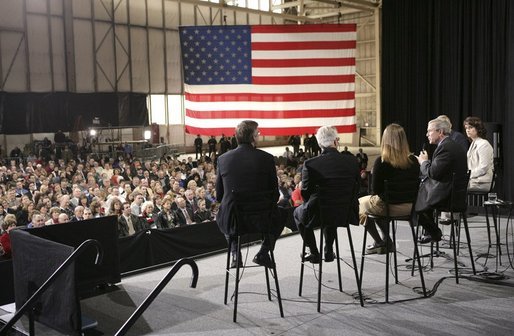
186	214
130	226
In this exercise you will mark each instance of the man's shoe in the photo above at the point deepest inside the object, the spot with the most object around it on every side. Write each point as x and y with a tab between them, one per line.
233	264
430	238
263	259
445	221
329	256
313	258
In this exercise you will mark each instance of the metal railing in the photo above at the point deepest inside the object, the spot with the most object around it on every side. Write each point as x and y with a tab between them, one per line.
157	290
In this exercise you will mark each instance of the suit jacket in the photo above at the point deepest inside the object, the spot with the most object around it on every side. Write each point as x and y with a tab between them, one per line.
244	169
330	168
480	161
436	174
137	222
181	219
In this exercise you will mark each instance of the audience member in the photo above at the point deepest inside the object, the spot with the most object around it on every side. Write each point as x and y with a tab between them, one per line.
166	218
128	223
323	170
5	241
449	158
400	168
183	213
480	155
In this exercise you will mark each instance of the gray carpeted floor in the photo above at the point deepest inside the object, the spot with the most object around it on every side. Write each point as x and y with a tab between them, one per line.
479	305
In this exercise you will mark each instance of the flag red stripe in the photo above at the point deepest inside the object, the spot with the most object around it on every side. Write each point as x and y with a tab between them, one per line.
304	45
270	114
268	131
269	97
314	28
304	79
291	63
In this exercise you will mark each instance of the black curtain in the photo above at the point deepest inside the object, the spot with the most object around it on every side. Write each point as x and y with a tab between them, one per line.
450	57
22	113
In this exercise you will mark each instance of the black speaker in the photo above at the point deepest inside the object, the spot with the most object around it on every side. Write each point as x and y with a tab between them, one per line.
494	136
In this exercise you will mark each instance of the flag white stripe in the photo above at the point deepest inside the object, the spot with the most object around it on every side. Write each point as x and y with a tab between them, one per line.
249	88
299	54
304	37
272	123
303	71
270	106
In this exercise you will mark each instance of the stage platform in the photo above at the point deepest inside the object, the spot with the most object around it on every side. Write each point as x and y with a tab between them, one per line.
479	305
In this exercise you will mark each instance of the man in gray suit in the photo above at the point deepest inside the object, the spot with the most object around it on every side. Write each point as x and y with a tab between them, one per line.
247	170
435	189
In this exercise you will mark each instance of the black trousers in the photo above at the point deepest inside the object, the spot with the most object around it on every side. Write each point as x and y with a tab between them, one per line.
307	232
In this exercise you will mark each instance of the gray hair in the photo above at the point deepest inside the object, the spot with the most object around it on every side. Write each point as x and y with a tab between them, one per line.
326	136
246	131
441	125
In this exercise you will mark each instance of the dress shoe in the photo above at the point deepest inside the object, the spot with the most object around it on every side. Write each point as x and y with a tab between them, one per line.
445	221
233	264
329	255
428	238
313	258
263	259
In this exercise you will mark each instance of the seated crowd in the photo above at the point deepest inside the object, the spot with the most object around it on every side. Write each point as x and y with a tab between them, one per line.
157	194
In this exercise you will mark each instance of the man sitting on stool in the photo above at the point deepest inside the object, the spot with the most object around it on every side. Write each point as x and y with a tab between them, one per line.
331	167
246	169
435	188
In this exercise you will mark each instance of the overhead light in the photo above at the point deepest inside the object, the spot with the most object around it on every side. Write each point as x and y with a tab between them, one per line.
92	132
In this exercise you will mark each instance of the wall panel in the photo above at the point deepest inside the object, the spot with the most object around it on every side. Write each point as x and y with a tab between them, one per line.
39	61
139	59
58	52
84	64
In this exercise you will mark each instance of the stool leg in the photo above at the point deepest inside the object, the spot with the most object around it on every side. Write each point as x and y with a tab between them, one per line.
302	266
455	256
356	272
393	227
268	287
363	255
387	236
227	272
236	293
320	268
415	237
466	229
338	263
418	258
274	274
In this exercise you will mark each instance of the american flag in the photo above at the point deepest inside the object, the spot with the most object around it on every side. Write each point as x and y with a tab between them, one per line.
291	79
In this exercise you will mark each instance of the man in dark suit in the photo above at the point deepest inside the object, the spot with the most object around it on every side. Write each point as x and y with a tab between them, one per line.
184	214
128	223
198	146
246	169
330	168
435	188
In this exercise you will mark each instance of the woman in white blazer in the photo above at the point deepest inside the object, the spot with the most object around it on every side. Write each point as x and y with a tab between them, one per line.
480	155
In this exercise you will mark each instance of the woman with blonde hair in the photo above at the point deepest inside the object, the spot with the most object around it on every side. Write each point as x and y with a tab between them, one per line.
398	166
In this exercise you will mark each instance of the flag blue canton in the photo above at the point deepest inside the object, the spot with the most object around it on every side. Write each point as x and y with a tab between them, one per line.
216	55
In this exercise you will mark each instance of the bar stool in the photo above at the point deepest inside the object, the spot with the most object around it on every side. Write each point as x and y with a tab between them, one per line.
250	208
390	189
330	198
457	207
